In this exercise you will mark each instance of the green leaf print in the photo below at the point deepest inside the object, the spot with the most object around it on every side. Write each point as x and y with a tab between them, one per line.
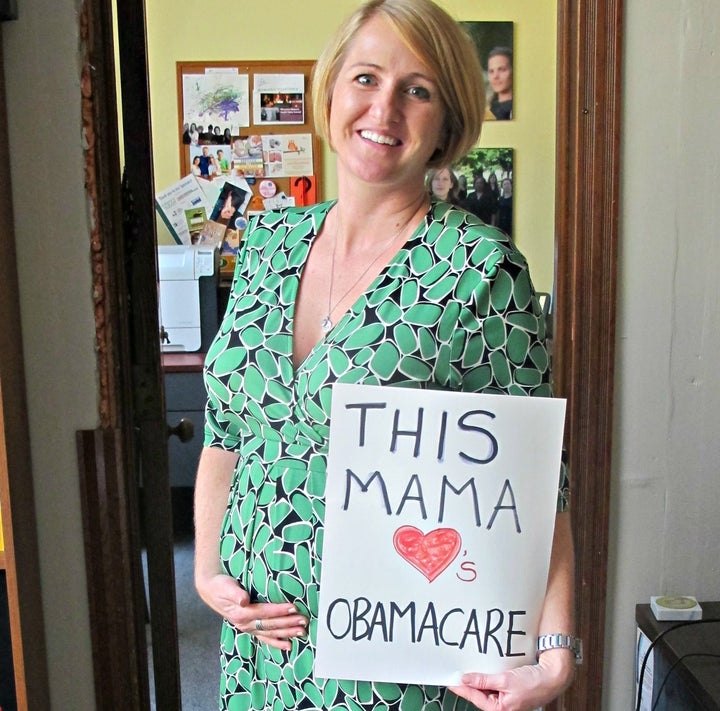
291	586
421	259
385	359
423	314
518	344
387	691
494	331
329	692
412	699
433	277
296	532
501	370
522	319
502	291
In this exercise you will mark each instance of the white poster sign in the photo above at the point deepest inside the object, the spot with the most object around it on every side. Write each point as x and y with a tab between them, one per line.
440	510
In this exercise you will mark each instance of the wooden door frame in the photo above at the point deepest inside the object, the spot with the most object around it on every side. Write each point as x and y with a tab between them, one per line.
586	241
129	449
587	193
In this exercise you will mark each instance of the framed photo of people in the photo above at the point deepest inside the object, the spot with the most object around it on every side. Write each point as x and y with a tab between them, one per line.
495	46
485	179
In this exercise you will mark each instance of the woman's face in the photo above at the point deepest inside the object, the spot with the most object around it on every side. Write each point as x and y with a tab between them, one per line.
441	184
500	75
386	115
227	209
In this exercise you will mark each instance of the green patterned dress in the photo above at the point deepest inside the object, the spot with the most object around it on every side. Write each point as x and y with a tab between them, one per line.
454	309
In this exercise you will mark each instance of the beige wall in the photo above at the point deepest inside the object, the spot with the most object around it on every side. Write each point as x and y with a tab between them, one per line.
665	525
200	33
41	65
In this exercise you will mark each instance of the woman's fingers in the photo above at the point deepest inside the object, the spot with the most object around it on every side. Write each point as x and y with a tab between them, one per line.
291	625
272	623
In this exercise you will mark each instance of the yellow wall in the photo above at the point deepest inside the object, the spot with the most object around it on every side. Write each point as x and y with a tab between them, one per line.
286	29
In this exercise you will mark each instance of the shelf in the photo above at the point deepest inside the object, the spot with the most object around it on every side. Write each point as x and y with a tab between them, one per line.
690	653
182	362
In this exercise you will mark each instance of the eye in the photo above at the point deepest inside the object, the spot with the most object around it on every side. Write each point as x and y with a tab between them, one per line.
419	92
365	79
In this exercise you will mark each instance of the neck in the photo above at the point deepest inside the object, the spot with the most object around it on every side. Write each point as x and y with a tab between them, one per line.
368	213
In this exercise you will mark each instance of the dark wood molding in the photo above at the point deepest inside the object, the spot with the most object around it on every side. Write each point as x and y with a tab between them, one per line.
123	246
120	662
587	193
107	459
102	184
148	404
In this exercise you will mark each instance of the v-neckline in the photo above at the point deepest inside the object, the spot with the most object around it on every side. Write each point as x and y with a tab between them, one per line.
318	222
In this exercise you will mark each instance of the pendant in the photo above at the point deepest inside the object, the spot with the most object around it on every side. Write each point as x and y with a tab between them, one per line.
326	324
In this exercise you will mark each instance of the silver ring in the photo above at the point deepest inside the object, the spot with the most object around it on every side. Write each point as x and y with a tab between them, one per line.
259	625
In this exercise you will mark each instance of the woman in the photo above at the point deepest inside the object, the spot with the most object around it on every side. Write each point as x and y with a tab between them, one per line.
194	134
492	182
443	185
500	78
321	294
505	207
481	202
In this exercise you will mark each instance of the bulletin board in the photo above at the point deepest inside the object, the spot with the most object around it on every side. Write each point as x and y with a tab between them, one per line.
275	101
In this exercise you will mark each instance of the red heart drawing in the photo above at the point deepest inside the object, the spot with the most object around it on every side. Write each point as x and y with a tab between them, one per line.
430	552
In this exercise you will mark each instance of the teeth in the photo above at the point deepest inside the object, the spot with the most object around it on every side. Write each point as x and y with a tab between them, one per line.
377	138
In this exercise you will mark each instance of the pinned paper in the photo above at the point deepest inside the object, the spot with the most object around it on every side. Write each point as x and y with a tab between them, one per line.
304	190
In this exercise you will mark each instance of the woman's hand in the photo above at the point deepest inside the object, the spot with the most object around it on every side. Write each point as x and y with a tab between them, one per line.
521	689
274	624
271	623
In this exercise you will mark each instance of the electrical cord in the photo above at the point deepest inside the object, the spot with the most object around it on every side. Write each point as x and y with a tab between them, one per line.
650	648
672	669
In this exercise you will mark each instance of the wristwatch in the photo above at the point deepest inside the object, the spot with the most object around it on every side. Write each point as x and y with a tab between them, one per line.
561	641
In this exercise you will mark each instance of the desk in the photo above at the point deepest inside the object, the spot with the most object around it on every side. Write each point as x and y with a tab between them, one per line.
184	398
694	684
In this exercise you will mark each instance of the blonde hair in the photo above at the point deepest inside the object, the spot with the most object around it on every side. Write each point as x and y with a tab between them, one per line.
440	43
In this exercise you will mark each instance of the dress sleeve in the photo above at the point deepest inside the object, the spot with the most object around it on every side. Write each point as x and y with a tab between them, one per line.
500	344
224	428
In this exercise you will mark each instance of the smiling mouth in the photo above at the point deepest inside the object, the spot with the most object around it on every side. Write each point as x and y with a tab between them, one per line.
379	138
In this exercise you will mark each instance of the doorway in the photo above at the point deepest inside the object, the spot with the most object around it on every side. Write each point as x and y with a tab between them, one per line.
586	232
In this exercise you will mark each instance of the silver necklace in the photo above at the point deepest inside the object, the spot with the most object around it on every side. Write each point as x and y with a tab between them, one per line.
326	325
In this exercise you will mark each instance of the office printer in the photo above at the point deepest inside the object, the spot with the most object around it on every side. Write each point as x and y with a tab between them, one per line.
188	280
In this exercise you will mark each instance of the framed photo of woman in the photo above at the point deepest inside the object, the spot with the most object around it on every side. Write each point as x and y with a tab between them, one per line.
494	42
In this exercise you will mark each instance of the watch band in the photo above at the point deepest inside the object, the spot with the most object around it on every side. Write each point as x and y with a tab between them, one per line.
561	641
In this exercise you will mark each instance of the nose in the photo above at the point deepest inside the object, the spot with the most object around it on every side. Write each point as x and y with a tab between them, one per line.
385	107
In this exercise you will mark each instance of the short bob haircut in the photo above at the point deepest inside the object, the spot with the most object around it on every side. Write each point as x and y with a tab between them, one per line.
441	44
